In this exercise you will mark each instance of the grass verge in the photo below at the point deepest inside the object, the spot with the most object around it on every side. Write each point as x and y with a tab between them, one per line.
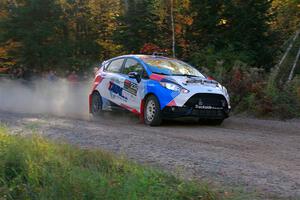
35	168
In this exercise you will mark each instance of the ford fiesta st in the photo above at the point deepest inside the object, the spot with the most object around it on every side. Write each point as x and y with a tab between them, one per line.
156	87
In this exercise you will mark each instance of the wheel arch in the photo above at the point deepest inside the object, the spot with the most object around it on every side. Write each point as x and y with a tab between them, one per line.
149	94
142	105
156	121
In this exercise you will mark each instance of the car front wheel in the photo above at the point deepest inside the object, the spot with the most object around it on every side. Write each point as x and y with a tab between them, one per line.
152	115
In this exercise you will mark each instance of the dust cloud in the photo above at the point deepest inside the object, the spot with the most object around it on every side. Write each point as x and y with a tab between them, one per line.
59	98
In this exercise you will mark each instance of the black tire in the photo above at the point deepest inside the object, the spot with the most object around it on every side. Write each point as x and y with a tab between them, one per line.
96	104
152	112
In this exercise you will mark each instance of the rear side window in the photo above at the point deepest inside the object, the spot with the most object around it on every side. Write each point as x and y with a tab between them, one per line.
115	66
132	65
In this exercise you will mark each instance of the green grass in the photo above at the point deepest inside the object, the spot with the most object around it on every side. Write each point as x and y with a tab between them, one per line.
35	168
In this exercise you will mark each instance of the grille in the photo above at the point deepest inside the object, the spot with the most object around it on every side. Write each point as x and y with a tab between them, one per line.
204	99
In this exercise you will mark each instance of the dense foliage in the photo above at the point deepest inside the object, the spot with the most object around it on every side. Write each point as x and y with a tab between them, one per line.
52	34
215	36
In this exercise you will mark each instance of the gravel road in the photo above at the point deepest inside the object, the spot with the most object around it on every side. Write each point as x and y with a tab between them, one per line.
258	155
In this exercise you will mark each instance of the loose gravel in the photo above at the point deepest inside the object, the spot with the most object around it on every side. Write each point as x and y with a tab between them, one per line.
258	155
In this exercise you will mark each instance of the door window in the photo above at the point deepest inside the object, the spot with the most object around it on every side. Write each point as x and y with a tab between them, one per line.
132	65
115	66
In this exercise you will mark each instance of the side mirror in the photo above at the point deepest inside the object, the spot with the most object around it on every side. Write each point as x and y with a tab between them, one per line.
135	75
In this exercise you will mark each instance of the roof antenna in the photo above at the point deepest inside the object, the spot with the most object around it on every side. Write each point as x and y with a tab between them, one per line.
159	54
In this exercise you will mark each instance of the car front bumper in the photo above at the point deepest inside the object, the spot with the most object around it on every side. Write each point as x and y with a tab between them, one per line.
201	105
211	113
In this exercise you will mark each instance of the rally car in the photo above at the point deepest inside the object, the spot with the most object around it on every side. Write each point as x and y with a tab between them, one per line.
157	87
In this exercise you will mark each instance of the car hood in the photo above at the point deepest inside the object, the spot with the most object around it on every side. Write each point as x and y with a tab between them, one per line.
187	82
199	84
193	84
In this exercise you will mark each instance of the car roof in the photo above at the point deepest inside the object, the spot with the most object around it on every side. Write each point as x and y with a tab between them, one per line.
142	56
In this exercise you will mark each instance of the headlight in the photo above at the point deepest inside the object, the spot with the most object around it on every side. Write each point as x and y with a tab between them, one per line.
227	95
223	88
171	86
225	91
174	87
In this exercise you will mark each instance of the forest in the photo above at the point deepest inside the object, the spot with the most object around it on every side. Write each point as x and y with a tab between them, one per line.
251	46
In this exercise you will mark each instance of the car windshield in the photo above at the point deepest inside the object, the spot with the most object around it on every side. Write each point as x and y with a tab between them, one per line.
173	67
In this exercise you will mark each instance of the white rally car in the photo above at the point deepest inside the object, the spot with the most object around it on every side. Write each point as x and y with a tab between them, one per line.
156	87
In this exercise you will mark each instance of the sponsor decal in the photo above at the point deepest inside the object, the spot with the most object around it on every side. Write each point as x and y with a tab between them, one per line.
208	107
116	90
201	81
194	80
130	87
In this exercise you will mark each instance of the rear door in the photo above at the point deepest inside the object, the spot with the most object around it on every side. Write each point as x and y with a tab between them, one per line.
112	88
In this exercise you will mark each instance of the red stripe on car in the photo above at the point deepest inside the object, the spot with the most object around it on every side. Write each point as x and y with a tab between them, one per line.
97	81
210	78
130	109
156	77
172	103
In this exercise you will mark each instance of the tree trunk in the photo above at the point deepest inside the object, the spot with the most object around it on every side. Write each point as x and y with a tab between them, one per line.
173	29
289	48
294	66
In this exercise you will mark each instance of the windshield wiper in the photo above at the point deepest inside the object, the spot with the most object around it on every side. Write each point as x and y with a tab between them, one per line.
161	73
188	75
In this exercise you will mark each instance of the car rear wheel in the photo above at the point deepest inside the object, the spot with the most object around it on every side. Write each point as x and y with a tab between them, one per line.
152	115
96	104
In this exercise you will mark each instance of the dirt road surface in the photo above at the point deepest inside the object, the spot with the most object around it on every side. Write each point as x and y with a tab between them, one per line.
258	155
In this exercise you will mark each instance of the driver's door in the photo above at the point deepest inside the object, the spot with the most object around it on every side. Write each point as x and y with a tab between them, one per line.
133	88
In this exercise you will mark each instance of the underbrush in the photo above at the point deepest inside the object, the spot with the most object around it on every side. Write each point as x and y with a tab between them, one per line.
34	168
255	92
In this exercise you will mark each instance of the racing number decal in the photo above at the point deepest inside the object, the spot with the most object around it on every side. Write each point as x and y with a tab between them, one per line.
130	87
